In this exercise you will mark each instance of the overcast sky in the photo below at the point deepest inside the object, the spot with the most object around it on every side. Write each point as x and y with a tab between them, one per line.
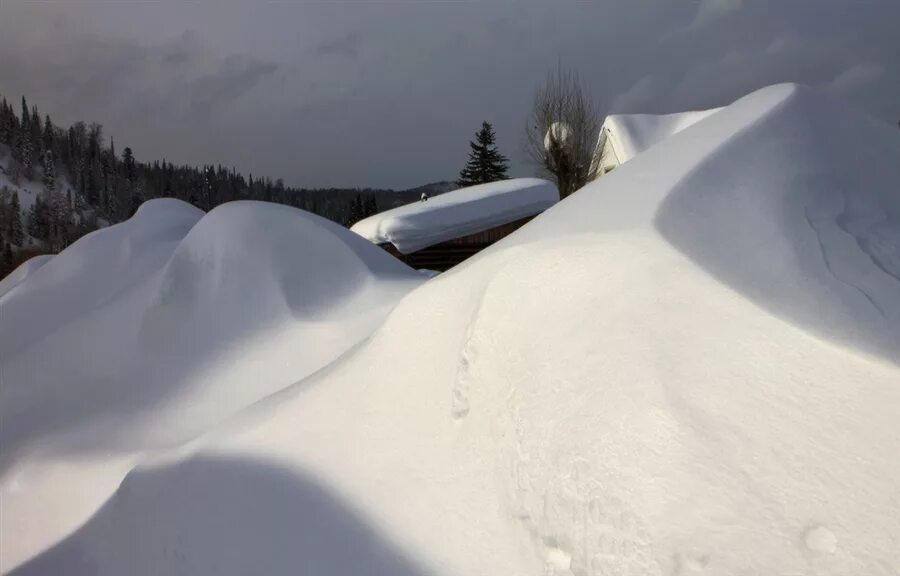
387	94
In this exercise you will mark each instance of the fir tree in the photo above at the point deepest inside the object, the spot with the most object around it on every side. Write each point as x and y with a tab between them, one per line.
7	123
36	133
49	178
36	219
23	150
128	165
356	210
16	233
47	136
8	260
25	123
485	164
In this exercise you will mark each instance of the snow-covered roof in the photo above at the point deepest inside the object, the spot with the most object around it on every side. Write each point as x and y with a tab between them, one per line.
459	213
623	136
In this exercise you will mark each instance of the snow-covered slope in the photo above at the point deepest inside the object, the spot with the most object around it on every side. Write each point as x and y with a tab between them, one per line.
458	213
23	271
624	136
28	190
633	383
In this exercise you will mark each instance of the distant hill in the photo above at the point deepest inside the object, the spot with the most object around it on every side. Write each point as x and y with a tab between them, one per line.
401	197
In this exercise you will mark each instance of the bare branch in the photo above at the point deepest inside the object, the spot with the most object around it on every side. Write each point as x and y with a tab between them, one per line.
562	130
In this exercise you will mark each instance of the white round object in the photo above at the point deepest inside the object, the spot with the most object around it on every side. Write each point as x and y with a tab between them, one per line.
560	132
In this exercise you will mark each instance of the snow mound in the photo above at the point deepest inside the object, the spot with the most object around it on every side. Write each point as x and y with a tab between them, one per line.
458	213
248	283
599	393
624	136
92	271
254	297
788	197
23	271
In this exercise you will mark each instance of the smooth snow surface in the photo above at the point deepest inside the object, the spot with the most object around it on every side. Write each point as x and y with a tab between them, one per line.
690	366
458	213
624	136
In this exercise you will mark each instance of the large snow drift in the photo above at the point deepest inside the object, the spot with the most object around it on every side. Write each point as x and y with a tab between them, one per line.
93	270
624	136
253	298
688	367
458	213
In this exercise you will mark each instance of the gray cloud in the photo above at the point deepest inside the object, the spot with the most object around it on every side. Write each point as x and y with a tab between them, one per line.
347	45
388	94
235	77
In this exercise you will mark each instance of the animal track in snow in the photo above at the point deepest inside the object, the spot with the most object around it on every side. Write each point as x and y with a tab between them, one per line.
618	544
570	517
460	399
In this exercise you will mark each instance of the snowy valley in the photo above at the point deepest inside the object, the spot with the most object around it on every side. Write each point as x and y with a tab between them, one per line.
689	366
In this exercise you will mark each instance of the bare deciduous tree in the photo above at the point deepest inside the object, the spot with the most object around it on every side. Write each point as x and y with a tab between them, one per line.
562	131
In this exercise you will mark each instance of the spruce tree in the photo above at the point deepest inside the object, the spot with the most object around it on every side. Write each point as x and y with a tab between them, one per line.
35	219
49	177
8	260
23	146
16	233
47	135
36	135
6	123
24	123
485	164
128	165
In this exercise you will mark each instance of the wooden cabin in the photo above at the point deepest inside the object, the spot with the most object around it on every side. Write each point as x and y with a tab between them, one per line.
441	257
439	233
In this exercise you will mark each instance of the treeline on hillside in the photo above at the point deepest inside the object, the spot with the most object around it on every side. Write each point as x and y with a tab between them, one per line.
89	183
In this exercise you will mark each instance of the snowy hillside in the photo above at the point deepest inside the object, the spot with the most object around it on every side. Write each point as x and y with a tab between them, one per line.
28	190
690	366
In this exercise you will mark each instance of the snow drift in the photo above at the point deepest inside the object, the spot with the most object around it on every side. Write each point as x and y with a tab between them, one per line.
252	298
634	383
93	270
458	213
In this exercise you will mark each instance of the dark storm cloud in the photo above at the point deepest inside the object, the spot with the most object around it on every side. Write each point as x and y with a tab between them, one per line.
389	93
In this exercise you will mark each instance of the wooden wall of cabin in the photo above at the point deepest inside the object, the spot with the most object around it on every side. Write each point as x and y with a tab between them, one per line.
448	254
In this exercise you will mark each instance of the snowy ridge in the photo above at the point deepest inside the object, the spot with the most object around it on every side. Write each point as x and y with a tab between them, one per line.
633	383
458	213
23	271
